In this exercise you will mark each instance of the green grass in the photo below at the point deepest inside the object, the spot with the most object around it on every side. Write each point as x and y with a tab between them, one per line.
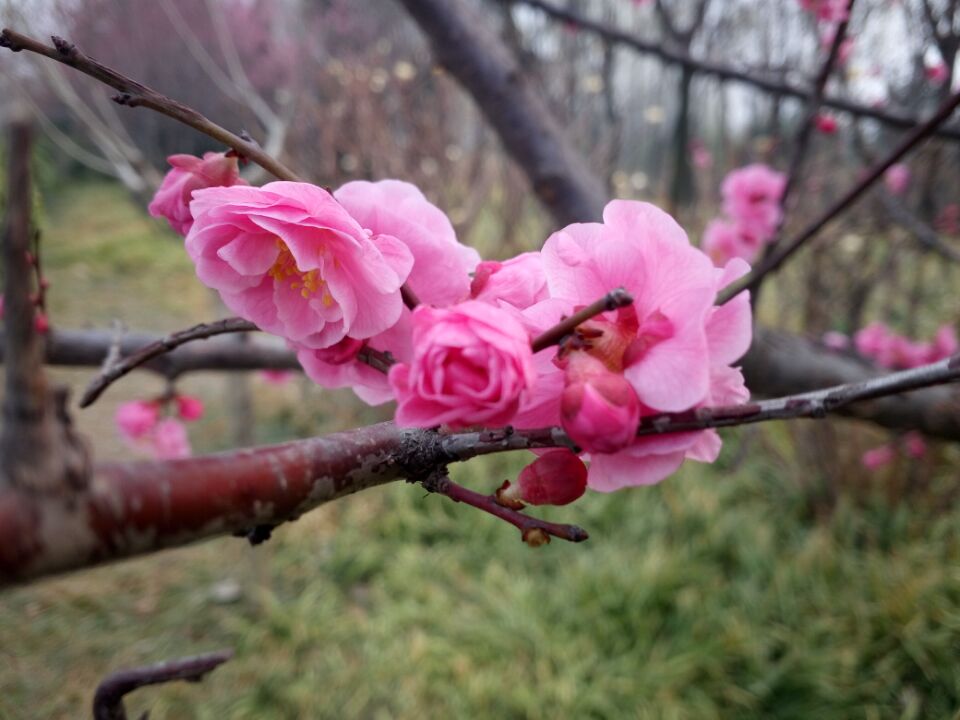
727	591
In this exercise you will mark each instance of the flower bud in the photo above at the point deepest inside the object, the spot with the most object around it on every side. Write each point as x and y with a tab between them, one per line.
189	408
557	477
599	409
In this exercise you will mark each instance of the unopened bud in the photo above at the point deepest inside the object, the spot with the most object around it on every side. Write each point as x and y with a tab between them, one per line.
599	408
535	537
557	477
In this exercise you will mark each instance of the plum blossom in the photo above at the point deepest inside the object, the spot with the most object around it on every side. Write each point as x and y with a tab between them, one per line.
292	260
724	240
471	364
598	408
751	198
170	441
890	350
877	457
519	282
835	340
897	178
672	345
557	477
189	173
137	418
440	276
276	377
189	408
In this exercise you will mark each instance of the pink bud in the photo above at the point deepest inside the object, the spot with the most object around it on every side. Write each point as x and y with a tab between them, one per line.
599	409
137	418
878	457
40	323
189	408
827	124
914	445
557	477
189	173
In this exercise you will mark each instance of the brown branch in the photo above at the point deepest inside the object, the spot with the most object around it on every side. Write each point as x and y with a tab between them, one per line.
611	301
721	71
533	531
114	371
108	699
38	448
134	94
773	263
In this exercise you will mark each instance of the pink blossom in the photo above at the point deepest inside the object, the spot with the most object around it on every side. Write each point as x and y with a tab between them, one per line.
944	344
751	198
136	419
914	445
189	408
897	178
558	477
440	277
441	265
938	73
874	341
700	156
291	259
877	457
724	240
190	173
170	441
519	282
471	365
598	409
835	340
276	377
672	345
830	11
827	124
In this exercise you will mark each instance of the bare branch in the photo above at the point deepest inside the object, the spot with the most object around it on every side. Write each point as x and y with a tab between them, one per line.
108	700
166	344
773	263
722	71
133	94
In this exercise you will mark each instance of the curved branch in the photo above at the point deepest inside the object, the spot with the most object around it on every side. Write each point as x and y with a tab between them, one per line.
108	700
113	371
133	94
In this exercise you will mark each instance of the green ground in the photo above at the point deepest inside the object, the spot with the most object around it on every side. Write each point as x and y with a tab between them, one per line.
729	591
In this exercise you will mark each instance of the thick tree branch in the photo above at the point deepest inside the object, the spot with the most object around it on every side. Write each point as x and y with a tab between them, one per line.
108	700
133	94
475	56
722	71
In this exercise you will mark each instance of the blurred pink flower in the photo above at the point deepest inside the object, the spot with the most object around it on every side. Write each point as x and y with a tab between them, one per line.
598	409
914	445
136	419
291	259
190	173
937	73
276	377
723	240
877	457
944	344
189	408
829	11
751	199
827	124
471	365
558	477
41	323
897	178
835	340
169	440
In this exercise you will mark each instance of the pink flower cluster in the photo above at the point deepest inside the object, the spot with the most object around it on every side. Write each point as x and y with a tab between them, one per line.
751	203
142	427
329	273
912	445
890	350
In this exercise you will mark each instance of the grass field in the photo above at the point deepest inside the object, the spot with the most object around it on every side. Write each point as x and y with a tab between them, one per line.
725	592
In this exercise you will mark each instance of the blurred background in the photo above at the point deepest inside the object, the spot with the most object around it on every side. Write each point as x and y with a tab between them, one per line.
786	580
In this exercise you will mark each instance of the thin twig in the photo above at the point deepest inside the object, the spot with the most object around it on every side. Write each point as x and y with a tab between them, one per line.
377	359
108	699
133	94
611	301
773	263
111	374
534	531
718	70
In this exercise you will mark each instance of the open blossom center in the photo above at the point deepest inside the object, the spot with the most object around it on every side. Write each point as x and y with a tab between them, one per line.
309	283
623	340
